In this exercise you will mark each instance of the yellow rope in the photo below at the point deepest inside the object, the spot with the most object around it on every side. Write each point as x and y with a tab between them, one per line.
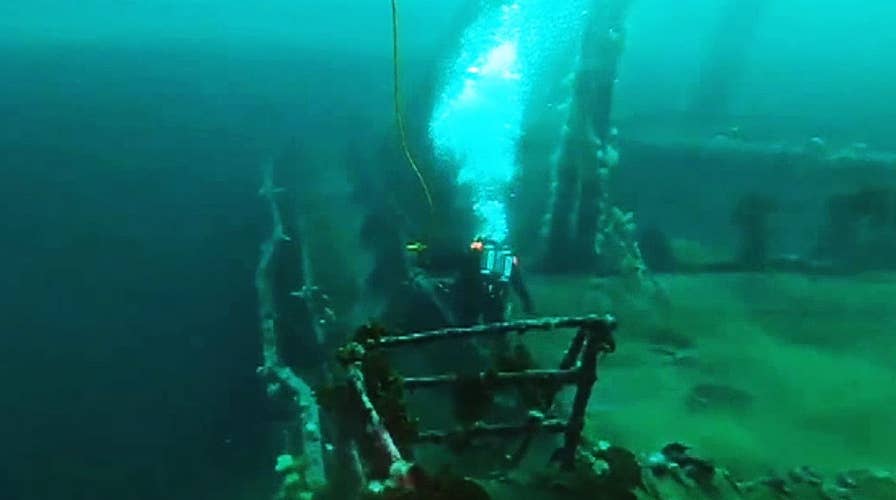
396	74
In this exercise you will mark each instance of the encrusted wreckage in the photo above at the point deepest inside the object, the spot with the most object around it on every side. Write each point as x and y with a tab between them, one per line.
304	461
584	231
324	456
578	367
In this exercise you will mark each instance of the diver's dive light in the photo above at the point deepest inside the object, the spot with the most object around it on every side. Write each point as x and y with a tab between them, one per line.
415	246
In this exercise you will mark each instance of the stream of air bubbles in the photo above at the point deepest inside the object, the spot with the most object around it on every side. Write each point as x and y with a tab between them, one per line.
479	114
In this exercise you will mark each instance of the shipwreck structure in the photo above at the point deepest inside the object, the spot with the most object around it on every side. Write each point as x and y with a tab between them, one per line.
351	431
391	436
584	231
350	428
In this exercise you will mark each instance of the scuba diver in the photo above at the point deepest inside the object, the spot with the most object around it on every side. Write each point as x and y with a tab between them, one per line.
484	281
474	284
461	287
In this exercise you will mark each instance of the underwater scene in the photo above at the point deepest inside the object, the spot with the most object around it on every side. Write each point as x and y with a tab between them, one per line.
448	250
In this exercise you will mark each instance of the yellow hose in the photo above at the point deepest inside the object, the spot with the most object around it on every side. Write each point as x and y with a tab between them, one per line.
396	75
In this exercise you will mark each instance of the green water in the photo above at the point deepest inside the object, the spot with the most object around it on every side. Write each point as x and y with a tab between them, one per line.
813	354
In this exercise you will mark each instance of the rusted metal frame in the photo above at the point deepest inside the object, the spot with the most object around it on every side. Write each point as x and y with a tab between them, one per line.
567	363
594	337
385	446
280	378
568	376
597	341
520	326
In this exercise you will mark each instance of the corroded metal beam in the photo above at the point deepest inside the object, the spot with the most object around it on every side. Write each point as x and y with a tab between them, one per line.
498	378
280	378
605	323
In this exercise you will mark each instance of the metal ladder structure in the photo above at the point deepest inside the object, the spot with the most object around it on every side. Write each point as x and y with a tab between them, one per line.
578	368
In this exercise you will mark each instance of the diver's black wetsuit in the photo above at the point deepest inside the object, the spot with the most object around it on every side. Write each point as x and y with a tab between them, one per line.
448	288
476	297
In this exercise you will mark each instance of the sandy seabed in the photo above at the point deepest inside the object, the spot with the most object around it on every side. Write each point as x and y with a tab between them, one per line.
758	372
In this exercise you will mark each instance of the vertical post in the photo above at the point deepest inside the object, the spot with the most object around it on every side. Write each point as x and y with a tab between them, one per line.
575	347
587	378
596	83
586	155
725	60
569	359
